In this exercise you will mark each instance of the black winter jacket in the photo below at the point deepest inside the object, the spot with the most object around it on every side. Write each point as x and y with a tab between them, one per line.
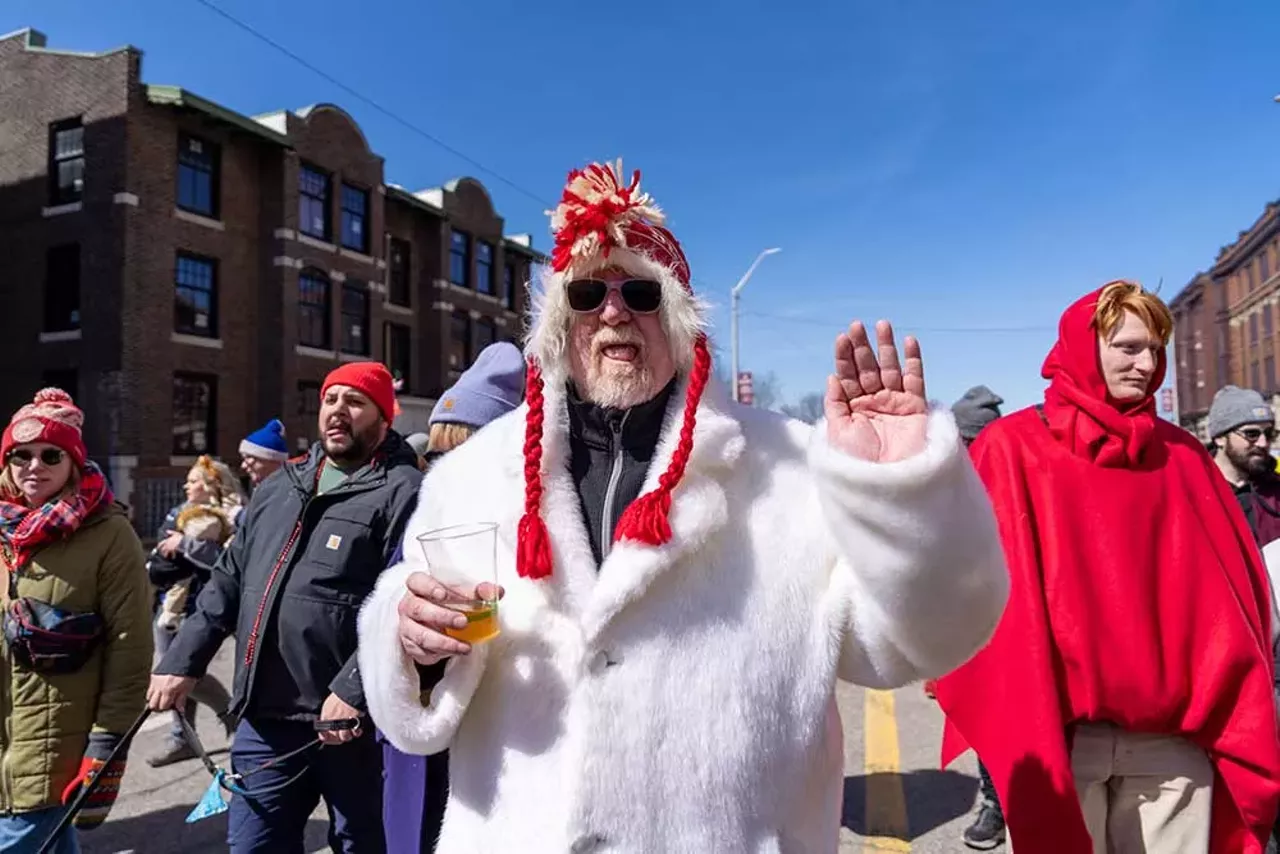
291	583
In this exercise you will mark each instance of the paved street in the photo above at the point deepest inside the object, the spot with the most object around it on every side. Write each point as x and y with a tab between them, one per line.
895	798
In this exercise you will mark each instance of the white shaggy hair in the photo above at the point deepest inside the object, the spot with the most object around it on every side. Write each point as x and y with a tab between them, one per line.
682	313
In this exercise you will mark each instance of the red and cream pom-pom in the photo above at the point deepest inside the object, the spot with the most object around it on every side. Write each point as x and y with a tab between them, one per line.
53	404
595	210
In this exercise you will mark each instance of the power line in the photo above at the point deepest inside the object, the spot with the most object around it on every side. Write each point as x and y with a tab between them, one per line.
813	321
371	102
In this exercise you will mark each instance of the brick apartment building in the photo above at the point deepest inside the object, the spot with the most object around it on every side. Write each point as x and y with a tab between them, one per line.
1226	322
188	272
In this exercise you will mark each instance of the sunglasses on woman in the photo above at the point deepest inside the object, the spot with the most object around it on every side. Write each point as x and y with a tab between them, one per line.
49	456
641	296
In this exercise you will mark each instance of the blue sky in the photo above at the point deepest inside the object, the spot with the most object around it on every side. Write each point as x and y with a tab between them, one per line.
964	169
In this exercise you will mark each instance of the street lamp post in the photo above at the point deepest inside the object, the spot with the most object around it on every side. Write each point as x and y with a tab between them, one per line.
733	313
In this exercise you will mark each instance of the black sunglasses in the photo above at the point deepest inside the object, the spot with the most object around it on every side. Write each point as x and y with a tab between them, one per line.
1253	434
641	296
49	456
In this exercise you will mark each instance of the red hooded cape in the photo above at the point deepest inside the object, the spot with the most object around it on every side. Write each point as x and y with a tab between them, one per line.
1137	597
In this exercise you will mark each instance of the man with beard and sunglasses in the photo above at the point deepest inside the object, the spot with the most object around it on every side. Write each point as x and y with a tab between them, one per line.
309	549
1242	426
683	578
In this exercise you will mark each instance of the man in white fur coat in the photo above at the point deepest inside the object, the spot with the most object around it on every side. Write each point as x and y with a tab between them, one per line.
684	578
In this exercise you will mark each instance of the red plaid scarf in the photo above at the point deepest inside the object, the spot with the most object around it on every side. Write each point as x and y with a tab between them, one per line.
24	530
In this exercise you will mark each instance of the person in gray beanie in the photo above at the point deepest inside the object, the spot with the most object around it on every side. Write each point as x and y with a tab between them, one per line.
492	386
976	409
1242	427
415	788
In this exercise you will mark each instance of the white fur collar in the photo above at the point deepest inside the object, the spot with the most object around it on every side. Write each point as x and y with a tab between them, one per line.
698	508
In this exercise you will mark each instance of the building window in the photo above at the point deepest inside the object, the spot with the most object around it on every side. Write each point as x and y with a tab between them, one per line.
195	411
509	285
355	318
313	309
62	288
1255	376
309	400
459	258
1269	373
459	341
1264	262
395	351
1253	277
401	255
1253	329
66	161
485	334
313	202
198	180
484	267
195	291
355	218
64	378
1266	322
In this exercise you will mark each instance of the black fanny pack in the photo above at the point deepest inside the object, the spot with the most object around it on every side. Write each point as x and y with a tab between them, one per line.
47	639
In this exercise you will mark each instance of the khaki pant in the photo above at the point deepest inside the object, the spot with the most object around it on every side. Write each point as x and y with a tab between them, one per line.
1142	794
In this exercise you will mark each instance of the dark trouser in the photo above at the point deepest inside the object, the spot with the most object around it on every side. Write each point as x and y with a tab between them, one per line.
416	789
208	690
347	776
988	789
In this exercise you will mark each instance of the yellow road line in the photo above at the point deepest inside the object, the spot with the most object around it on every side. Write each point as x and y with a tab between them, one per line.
886	807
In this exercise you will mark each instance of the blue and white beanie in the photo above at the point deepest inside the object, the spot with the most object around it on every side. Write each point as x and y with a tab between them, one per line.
266	443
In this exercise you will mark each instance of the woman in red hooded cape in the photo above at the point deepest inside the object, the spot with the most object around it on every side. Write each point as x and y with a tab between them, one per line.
1137	599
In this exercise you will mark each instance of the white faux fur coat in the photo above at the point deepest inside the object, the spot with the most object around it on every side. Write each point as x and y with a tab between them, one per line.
681	698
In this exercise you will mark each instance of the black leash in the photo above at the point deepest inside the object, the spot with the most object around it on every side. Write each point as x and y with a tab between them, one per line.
234	782
90	785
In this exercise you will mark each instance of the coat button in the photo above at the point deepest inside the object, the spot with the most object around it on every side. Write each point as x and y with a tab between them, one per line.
603	659
587	844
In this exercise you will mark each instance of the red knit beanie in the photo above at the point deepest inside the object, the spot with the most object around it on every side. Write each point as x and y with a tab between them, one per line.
371	378
51	417
598	213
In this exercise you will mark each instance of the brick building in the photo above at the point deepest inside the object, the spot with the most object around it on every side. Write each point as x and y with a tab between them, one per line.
1226	319
188	272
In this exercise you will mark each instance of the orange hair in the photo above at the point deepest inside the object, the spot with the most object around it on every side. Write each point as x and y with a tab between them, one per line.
1120	296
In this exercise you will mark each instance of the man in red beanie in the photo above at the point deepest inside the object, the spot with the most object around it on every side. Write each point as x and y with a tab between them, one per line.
308	550
685	578
1125	703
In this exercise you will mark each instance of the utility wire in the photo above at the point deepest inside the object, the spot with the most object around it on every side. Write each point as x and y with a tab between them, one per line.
371	102
813	321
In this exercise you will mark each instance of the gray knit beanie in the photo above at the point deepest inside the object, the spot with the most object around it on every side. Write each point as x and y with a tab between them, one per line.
1234	407
978	408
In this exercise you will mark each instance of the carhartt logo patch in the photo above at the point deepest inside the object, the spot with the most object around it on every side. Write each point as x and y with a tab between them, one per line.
333	543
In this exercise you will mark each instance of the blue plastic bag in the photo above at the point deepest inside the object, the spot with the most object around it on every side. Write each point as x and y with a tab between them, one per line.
211	803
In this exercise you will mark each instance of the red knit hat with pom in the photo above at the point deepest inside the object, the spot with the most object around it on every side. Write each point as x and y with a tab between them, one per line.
52	417
600	214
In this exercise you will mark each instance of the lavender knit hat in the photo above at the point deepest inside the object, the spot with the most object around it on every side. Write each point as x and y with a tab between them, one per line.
492	386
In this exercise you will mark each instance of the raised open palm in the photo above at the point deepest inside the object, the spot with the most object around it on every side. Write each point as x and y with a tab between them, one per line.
875	407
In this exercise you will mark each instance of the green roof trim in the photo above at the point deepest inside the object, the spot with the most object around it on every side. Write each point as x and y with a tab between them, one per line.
527	251
175	96
402	195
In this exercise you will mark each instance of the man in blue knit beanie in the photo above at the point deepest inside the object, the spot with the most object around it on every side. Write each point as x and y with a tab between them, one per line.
263	451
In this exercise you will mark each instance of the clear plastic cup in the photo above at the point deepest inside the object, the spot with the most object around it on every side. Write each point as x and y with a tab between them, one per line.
461	557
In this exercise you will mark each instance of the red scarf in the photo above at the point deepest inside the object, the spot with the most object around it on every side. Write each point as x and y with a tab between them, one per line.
1137	598
25	530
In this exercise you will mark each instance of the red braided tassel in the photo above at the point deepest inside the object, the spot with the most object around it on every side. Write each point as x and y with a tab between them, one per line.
533	551
647	519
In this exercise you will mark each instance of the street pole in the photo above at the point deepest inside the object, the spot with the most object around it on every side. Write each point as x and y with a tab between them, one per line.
733	315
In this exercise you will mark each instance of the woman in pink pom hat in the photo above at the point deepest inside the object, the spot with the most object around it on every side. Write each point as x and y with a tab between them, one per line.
77	626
